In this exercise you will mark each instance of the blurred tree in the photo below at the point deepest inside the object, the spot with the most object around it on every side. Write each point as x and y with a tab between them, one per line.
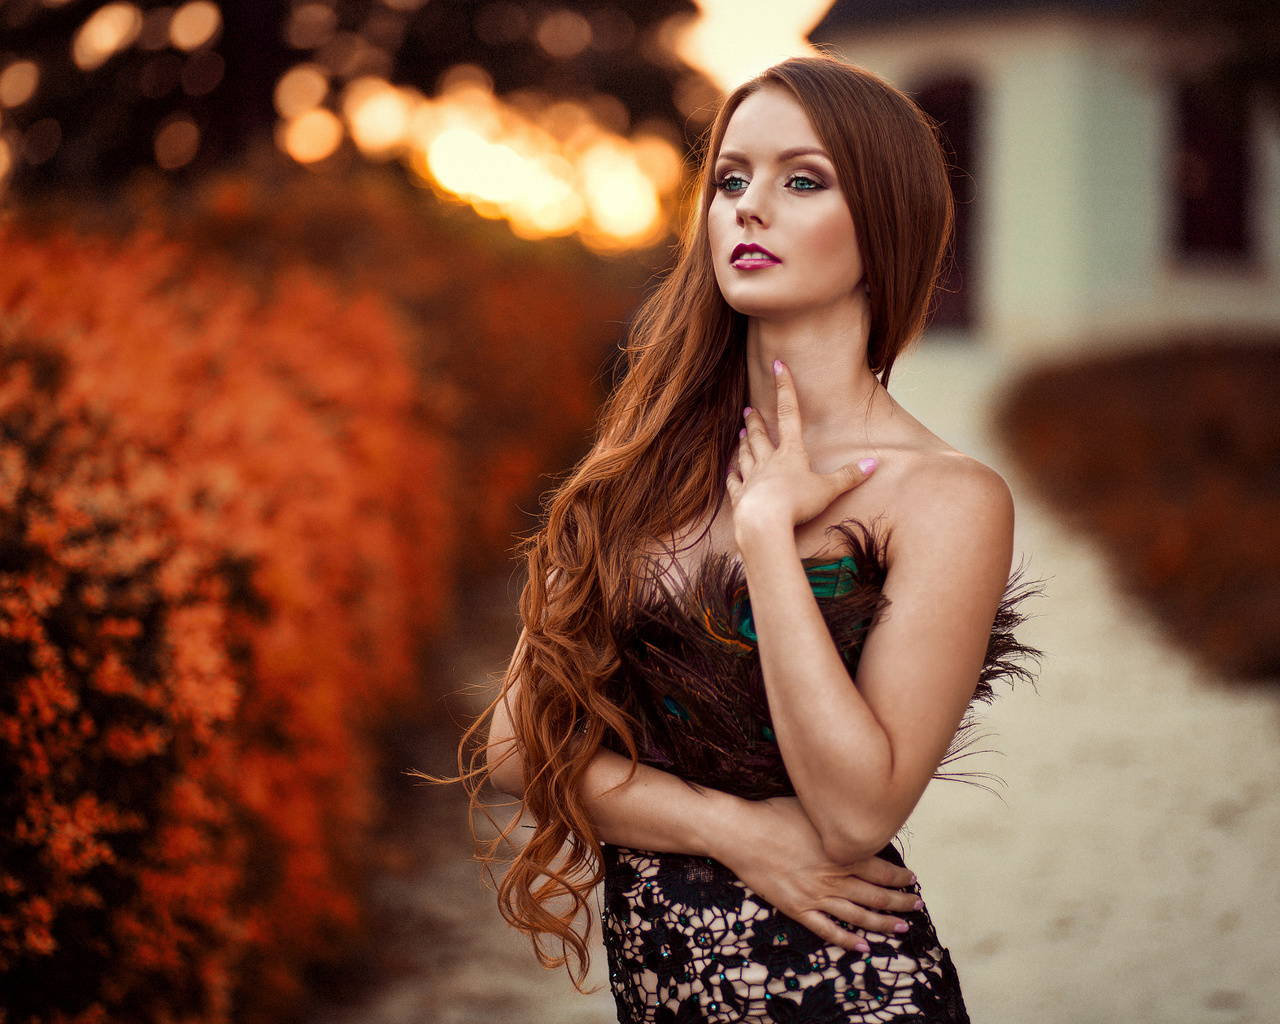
93	90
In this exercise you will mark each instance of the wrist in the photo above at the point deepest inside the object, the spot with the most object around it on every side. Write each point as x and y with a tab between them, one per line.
718	833
758	530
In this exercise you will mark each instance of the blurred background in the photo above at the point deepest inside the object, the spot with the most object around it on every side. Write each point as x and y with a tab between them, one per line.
304	303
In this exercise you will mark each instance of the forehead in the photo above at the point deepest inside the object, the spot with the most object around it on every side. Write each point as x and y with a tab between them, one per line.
770	120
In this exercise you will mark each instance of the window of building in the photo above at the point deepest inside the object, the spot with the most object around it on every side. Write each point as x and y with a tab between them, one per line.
1212	176
950	102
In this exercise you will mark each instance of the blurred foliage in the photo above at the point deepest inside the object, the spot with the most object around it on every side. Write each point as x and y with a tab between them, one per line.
215	572
1170	456
508	337
82	130
252	433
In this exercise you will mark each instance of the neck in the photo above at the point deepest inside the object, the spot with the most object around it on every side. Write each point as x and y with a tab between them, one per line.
827	358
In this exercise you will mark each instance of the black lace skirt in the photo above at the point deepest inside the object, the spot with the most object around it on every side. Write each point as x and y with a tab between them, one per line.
687	941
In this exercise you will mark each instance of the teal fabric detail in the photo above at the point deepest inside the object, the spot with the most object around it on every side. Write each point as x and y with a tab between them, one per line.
826	579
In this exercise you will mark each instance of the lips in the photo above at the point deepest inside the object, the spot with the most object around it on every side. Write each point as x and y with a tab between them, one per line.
749	256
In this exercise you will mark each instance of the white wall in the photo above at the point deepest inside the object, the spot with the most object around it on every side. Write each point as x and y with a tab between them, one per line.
1073	211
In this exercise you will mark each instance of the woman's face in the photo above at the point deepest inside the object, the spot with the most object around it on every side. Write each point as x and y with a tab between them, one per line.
782	237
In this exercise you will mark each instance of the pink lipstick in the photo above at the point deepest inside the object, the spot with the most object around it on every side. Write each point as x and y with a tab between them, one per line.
749	256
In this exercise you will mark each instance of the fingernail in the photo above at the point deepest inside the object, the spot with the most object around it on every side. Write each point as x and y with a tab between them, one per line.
777	366
867	465
746	411
742	433
862	947
901	927
919	905
914	880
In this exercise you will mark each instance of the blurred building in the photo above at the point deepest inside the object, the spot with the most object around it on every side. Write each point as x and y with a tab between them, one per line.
1102	191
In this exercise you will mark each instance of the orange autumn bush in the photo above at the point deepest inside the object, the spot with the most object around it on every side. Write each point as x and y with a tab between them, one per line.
222	532
509	336
1168	453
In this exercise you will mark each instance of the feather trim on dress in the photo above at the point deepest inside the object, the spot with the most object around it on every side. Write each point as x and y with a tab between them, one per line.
689	671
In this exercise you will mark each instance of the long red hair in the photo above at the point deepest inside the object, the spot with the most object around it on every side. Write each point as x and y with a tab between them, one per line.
666	437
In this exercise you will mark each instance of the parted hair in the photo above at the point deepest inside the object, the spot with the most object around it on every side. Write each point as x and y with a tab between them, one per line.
665	439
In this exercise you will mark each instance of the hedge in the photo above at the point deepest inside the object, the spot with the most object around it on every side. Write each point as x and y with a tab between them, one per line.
222	535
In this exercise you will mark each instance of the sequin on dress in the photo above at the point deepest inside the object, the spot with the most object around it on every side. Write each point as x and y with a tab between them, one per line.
686	940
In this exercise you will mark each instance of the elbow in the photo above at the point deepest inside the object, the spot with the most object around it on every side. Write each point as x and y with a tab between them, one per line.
848	849
851	841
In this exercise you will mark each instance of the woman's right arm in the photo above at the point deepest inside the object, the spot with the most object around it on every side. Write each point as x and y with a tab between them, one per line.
769	844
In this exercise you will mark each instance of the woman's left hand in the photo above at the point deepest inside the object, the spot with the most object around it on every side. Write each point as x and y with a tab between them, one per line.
774	484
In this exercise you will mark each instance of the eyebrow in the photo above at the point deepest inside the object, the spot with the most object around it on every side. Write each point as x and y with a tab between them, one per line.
785	155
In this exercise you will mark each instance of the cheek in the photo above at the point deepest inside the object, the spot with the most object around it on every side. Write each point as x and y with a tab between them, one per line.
836	239
719	220
720	223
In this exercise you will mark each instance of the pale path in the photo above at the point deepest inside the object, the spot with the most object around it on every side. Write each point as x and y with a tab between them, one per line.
1131	874
1134	874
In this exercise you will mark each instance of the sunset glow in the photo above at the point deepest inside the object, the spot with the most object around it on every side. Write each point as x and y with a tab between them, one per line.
732	40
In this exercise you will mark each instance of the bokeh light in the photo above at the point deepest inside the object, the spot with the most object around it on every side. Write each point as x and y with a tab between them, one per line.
311	25
177	142
18	82
621	198
378	115
311	136
546	164
194	24
659	161
300	89
546	167
564	34
106	32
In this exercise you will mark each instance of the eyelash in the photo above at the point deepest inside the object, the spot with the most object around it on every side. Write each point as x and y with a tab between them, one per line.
723	184
814	184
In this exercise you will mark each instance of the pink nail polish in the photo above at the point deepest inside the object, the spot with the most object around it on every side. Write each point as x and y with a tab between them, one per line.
867	465
919	905
901	927
746	411
777	367
742	433
862	947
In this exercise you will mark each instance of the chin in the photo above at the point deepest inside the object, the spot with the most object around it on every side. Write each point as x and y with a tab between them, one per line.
742	301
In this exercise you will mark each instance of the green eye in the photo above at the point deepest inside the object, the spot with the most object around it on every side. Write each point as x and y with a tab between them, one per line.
731	184
803	183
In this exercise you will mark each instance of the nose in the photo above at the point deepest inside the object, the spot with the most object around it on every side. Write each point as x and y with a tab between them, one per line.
751	205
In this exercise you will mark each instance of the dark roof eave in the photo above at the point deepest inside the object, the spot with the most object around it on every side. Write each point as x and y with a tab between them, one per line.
849	15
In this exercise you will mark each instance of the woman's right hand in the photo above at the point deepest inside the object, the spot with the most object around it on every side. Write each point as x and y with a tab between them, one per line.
779	855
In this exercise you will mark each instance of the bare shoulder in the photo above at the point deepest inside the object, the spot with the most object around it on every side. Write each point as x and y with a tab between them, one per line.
946	502
949	483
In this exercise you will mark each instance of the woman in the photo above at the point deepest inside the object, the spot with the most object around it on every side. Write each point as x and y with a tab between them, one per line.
759	609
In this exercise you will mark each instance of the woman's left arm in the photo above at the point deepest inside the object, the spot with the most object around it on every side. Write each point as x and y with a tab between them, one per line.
860	755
